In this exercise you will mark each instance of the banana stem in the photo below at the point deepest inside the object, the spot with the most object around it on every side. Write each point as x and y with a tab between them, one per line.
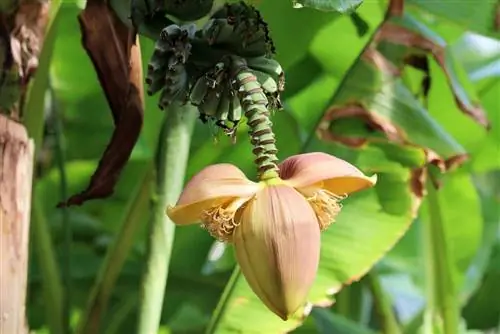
254	103
172	156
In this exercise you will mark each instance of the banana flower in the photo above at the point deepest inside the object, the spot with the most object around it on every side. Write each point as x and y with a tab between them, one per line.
274	224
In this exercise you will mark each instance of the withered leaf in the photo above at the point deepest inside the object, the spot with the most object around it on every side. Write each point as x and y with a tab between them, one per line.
115	54
397	33
421	62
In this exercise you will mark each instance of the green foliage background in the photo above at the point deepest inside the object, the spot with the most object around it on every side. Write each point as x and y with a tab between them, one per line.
411	270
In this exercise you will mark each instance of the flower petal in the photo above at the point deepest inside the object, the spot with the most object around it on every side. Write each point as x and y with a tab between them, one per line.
333	174
212	186
277	246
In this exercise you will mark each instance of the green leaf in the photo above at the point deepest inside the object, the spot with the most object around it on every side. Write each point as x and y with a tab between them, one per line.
353	244
341	6
472	15
482	63
483	310
301	24
448	249
482	60
335	51
328	322
389	103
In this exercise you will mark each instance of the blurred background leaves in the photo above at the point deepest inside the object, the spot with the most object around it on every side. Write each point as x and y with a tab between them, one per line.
411	245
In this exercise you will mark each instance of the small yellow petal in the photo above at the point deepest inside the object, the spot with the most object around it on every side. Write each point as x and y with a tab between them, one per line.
213	186
277	246
326	171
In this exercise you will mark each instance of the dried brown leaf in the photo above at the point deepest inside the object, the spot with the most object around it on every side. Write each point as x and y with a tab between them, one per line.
394	33
115	54
393	134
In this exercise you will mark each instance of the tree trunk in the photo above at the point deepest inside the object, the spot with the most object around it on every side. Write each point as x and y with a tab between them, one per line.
22	30
16	169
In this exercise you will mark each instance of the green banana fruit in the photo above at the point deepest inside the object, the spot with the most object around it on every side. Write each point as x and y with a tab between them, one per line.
210	103
267	82
266	65
223	108
198	91
188	10
175	87
218	31
235	111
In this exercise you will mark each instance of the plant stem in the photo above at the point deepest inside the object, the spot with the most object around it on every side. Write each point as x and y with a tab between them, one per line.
383	306
127	306
45	254
221	305
33	114
172	156
35	98
254	103
66	223
441	292
115	258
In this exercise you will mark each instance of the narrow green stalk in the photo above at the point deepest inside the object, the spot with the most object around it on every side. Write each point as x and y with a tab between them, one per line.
383	306
413	326
35	98
45	255
442	310
221	306
123	311
254	104
172	156
349	301
66	224
33	119
115	258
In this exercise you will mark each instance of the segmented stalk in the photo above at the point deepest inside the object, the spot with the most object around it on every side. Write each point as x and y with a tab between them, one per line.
254	103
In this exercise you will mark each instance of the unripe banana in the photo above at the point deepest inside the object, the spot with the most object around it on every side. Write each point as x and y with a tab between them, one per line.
218	31
235	111
155	82
188	10
266	65
215	76
210	103
198	91
174	90
266	81
223	108
170	31
157	63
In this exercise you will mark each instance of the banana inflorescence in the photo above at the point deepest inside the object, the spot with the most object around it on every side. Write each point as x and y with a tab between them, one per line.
219	68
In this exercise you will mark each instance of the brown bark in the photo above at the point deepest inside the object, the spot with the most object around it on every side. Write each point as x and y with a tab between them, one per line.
16	168
22	31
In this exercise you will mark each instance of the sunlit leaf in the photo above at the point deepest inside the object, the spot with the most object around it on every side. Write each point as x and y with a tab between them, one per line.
476	16
341	6
302	24
482	311
328	322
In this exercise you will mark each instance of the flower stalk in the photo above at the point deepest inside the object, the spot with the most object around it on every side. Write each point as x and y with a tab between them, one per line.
254	103
171	160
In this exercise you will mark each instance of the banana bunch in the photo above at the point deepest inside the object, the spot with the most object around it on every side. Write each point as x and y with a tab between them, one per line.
167	67
240	29
216	99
